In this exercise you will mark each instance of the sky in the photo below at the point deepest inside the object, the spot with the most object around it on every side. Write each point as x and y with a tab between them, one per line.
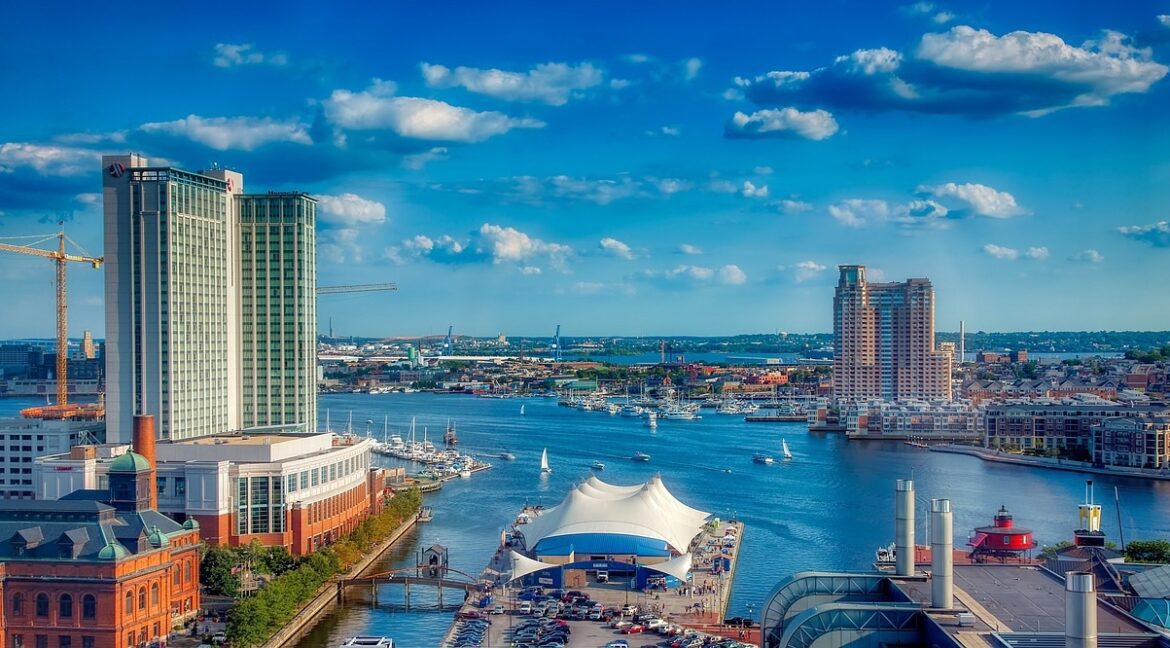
624	169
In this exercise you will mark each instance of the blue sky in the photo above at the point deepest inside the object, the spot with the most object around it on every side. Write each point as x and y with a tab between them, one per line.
627	168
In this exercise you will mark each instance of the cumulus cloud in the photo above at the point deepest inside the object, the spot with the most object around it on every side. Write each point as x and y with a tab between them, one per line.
858	212
377	108
616	248
1037	253
691	68
762	170
1001	252
750	190
784	122
665	131
601	191
732	275
48	160
340	246
791	207
1156	234
417	161
804	270
981	199
234	54
970	72
1089	256
1164	20
549	83
530	270
685	274
350	210
490	243
233	133
687	248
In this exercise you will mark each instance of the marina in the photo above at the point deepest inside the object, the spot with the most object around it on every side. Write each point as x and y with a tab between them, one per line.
797	514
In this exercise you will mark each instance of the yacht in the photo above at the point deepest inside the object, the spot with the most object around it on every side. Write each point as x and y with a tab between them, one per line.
762	458
631	411
507	456
426	514
597	465
651	419
678	413
368	641
641	456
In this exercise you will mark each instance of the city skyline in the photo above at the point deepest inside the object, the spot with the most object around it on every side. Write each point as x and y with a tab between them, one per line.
705	179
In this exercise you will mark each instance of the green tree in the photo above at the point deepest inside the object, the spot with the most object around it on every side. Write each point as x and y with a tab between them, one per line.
1050	551
1148	551
215	572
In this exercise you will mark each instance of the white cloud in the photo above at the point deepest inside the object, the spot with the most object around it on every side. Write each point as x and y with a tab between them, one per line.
231	55
340	246
919	8
983	200
914	214
530	270
690	272
350	210
616	248
417	161
601	191
943	17
665	131
783	122
805	270
668	186
691	68
1089	256
233	133
732	275
549	83
762	170
588	287
377	109
637	58
1164	20
1156	234
722	186
1000	252
509	245
687	248
48	160
89	198
791	207
750	190
1102	68
1037	253
732	94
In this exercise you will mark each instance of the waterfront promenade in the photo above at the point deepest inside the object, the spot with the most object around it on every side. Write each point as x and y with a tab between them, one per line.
988	454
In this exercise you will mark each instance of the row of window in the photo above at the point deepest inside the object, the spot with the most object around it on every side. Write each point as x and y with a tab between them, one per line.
63	641
64	606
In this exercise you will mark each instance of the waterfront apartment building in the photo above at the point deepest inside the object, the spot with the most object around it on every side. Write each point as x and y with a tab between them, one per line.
883	340
1133	442
210	301
1065	425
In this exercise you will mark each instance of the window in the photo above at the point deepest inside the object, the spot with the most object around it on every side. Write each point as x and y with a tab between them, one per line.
88	607
160	484
130	608
154	596
180	486
18	604
178	579
187	572
130	639
42	605
42	641
17	641
65	606
64	641
141	598
87	642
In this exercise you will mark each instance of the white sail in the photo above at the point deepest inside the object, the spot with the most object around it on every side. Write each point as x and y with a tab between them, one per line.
521	410
784	445
544	461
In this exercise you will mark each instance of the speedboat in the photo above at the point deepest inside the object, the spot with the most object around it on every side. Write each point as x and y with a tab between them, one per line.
368	641
762	458
507	456
641	456
597	465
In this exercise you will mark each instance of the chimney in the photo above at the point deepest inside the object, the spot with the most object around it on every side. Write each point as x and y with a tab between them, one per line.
942	594
144	445
1080	610
904	527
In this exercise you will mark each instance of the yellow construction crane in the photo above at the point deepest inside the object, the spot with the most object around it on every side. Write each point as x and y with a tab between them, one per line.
333	290
59	256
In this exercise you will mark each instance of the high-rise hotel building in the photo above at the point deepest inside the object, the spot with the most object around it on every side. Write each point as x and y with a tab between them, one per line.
883	340
210	302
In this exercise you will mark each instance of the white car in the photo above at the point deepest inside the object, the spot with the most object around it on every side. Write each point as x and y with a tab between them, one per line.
499	609
653	624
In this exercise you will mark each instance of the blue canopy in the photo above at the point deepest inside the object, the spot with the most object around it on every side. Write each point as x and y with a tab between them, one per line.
598	544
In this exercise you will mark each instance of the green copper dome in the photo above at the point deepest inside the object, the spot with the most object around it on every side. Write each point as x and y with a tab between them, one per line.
112	551
131	462
190	524
157	538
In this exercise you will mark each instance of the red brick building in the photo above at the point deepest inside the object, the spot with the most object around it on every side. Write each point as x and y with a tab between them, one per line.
97	569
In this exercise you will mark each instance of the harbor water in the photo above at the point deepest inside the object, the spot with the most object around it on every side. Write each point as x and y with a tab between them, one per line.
829	507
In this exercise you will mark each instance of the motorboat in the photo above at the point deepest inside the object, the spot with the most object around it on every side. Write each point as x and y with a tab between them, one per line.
641	456
368	641
597	465
507	456
426	514
762	458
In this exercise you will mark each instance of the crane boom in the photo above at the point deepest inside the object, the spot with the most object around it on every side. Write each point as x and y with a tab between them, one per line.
333	290
60	257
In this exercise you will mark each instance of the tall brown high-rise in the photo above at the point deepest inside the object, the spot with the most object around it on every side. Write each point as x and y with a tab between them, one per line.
883	340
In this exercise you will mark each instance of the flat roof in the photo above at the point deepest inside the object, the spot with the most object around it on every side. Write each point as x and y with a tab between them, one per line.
243	440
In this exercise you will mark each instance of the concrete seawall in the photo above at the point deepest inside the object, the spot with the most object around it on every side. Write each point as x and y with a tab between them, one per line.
326	597
1052	464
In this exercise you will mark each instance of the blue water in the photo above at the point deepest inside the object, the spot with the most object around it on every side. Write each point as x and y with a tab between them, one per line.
830	507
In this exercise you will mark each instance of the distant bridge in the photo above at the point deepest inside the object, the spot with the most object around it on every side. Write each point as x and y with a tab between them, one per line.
407	576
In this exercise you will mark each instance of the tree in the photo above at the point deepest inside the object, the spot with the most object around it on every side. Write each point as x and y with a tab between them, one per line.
1148	551
215	572
1050	551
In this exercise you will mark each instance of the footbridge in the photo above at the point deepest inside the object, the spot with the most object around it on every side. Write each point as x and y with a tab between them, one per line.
418	576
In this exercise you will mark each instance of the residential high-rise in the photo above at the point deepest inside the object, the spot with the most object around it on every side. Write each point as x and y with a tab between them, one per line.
210	302
278	309
883	340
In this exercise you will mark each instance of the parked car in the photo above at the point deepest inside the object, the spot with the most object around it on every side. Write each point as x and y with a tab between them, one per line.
499	609
634	628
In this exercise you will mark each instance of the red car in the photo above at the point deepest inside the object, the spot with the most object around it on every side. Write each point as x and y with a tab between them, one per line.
633	629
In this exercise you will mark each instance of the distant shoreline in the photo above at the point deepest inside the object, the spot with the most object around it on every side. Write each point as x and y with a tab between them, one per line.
1051	464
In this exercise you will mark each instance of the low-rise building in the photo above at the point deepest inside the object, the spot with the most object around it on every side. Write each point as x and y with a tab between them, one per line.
1064	425
22	440
921	420
1133	442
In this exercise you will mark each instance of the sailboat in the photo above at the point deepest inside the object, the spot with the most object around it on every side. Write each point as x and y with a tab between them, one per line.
784	447
544	461
521	410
